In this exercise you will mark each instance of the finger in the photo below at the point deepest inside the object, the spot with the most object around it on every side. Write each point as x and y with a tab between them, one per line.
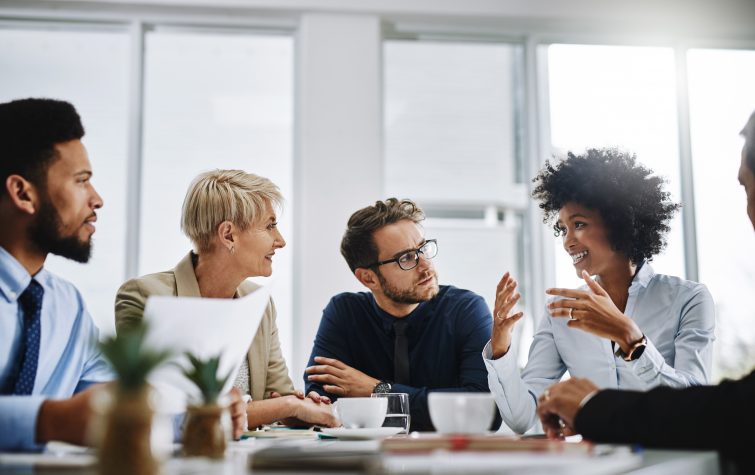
313	396
506	290
563	313
299	393
321	369
333	389
325	400
571	293
506	307
502	283
579	325
594	286
513	318
274	394
568	303
325	378
330	361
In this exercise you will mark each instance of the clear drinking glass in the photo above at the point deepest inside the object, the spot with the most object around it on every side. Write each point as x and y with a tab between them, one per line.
397	414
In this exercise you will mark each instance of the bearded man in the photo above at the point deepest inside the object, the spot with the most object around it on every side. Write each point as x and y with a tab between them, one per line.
408	334
48	341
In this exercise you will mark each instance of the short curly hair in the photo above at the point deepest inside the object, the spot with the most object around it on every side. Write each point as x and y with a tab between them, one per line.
630	199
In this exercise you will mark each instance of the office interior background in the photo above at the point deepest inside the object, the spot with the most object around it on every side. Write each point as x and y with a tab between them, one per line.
453	103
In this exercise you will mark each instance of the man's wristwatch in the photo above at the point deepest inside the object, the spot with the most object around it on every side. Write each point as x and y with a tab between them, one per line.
635	351
383	387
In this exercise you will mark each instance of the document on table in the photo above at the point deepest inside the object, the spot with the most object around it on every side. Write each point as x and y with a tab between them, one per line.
205	327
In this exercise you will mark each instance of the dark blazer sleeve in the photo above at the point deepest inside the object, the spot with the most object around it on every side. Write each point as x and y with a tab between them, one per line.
703	417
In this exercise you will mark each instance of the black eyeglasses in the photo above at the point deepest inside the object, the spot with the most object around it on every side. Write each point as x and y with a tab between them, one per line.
410	259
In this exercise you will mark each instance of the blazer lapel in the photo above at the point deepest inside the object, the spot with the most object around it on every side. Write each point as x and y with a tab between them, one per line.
186	280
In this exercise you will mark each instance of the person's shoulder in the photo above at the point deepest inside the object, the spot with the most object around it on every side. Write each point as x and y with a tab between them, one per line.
455	299
352	297
455	294
670	282
68	297
160	283
61	287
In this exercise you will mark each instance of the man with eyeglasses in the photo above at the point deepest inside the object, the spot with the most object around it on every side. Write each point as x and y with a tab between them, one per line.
408	334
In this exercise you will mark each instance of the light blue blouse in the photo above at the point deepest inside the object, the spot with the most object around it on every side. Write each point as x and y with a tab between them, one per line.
677	316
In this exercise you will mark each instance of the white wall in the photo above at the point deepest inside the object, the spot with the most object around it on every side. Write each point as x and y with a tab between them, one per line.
338	160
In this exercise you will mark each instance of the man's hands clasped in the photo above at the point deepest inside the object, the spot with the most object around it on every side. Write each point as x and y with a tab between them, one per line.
339	378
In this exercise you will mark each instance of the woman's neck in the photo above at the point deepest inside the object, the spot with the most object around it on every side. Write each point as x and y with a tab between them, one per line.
616	283
215	276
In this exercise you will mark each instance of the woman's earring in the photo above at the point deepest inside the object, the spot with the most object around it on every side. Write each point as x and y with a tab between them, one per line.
231	249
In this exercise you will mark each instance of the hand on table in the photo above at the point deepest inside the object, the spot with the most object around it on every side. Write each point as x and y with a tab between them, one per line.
593	311
313	395
503	322
307	412
340	379
237	409
557	407
67	420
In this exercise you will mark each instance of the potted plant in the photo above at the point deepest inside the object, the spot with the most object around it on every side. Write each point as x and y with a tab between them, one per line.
126	445
204	434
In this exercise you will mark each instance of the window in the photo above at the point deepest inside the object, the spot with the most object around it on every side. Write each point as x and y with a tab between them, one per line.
90	70
618	96
215	100
721	100
451	144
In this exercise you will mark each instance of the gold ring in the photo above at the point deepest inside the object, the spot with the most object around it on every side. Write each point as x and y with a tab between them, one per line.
571	317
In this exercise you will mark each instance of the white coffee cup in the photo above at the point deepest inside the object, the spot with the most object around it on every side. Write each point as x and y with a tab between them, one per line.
461	413
361	412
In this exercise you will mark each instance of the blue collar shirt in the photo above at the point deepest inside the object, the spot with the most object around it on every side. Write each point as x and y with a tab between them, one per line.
69	358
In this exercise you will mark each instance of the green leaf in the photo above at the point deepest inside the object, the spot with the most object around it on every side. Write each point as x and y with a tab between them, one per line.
129	359
204	374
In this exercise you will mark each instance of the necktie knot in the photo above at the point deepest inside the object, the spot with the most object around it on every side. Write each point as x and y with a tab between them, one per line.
31	300
399	326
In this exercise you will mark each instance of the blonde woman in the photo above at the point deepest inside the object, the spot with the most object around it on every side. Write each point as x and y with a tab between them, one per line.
230	217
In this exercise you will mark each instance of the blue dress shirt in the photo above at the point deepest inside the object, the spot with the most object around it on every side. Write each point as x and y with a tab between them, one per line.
69	359
446	335
677	316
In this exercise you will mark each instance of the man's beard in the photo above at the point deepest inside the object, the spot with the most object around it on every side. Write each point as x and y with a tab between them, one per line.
410	296
45	233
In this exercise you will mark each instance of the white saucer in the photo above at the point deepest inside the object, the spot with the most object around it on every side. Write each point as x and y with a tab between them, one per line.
361	434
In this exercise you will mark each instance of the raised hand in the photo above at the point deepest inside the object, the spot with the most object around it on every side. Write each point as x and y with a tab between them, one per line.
593	311
339	378
506	298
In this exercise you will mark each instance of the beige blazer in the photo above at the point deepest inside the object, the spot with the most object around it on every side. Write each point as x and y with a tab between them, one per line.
266	364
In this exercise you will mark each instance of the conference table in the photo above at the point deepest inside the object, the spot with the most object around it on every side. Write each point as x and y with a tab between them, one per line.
313	455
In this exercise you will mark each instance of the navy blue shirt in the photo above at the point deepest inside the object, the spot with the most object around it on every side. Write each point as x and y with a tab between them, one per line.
446	337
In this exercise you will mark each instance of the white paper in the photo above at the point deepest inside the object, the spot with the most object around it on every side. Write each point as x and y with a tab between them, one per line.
206	328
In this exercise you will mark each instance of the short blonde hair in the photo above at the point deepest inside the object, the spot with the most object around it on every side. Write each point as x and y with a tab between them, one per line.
225	195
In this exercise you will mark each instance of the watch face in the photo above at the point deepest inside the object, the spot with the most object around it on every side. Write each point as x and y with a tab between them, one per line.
638	352
382	387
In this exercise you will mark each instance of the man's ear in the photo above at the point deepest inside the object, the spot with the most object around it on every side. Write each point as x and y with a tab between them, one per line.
367	277
227	234
22	193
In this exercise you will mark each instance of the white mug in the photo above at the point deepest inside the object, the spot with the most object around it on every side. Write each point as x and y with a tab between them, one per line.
361	412
461	413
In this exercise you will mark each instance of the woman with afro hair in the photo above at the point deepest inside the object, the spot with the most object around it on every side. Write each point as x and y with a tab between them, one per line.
628	328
